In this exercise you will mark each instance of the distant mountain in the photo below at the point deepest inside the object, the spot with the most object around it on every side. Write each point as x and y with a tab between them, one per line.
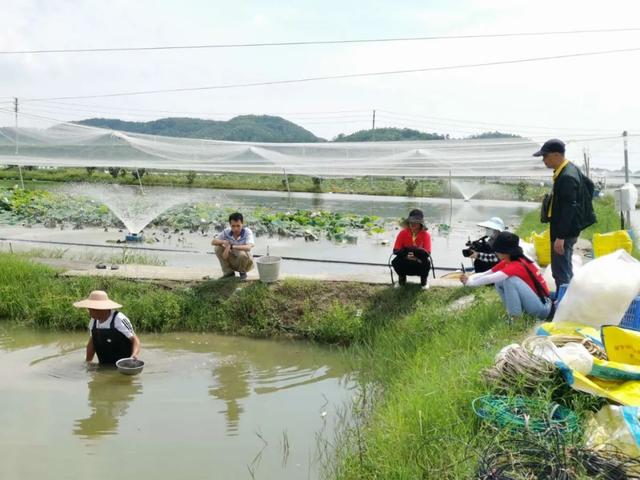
495	134
245	128
388	135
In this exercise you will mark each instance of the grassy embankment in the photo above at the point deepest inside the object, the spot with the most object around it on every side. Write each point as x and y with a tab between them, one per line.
425	365
420	356
297	183
34	295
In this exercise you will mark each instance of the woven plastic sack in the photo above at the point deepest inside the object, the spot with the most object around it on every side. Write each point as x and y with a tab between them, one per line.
576	262
615	426
529	250
601	291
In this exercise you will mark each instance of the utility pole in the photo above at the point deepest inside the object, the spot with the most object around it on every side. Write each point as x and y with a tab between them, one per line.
626	157
586	162
15	109
626	172
373	126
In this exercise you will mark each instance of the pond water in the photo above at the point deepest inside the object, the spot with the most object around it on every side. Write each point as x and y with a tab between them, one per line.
205	407
462	217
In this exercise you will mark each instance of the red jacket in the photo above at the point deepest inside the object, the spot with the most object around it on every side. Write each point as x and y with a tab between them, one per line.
405	240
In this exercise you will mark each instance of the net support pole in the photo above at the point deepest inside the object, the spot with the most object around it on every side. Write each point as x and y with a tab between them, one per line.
139	180
15	109
626	173
286	180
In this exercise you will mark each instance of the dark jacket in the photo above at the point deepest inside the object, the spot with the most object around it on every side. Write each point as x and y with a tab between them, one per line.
571	207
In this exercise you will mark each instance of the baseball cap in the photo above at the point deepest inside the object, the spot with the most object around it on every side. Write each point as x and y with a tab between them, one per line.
551	146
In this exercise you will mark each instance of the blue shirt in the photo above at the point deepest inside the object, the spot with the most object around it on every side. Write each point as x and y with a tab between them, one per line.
245	238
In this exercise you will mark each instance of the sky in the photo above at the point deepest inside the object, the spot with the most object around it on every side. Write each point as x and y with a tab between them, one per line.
567	98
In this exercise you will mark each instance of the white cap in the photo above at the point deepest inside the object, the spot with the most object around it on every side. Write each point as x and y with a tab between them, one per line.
494	223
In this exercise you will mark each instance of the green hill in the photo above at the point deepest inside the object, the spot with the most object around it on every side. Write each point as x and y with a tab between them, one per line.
244	128
388	135
495	134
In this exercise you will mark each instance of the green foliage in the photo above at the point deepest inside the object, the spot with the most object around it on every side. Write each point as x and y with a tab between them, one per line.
245	128
521	189
317	183
114	171
410	187
90	170
388	135
191	176
34	295
494	134
360	185
138	173
41	206
340	324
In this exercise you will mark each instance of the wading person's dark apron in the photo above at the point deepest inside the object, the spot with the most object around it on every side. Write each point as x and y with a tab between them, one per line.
110	344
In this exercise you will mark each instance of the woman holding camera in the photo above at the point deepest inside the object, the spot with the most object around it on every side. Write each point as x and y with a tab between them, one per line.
517	279
413	250
481	250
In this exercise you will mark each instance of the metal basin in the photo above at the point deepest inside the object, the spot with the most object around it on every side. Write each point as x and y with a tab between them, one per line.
129	366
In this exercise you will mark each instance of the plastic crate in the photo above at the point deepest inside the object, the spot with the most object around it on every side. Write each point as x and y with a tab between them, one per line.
605	243
631	318
542	244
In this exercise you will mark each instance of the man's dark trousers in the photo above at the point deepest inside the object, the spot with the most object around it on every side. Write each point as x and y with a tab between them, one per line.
561	264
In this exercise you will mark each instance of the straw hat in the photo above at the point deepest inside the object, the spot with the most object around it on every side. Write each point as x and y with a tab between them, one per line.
97	300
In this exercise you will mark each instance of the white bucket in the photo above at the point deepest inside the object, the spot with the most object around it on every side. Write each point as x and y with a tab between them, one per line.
269	268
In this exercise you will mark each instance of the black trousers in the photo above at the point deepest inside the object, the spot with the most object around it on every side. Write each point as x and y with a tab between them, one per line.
406	267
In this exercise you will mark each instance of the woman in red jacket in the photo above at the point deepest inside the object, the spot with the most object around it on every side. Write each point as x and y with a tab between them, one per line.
413	249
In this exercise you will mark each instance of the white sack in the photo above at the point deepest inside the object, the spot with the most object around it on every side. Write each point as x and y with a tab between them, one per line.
576	262
601	291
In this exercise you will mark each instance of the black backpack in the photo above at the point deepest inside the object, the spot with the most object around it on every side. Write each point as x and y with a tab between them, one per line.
586	216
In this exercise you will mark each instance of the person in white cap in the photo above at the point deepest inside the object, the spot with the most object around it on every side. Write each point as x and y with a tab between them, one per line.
481	250
112	336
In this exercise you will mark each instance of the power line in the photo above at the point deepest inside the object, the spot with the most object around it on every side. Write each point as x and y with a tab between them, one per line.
397	120
341	76
478	123
318	42
106	108
209	116
589	138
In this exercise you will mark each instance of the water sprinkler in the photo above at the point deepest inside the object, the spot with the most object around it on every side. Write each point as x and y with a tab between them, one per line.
134	237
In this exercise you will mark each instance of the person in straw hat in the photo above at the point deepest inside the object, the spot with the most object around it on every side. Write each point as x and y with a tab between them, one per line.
112	336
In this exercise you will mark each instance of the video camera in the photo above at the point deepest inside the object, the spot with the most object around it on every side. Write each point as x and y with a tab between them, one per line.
480	245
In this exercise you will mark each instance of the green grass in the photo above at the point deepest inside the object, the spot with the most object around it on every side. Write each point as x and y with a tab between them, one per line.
297	183
125	257
422	364
608	220
35	295
425	361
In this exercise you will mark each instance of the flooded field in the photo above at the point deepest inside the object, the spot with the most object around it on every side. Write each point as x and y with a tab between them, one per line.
450	223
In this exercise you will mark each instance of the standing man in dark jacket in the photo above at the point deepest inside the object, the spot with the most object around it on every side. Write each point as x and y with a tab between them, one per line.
569	210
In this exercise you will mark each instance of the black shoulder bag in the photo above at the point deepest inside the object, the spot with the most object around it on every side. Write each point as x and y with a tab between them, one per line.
544	208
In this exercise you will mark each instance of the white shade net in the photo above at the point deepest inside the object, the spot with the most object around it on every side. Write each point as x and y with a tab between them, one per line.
72	145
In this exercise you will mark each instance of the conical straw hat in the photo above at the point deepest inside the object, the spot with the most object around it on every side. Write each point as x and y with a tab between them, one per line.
97	300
